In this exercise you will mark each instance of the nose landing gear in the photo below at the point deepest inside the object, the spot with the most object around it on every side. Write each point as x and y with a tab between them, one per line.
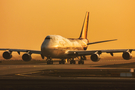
49	60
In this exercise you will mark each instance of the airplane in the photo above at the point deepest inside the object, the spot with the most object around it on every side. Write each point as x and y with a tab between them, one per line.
56	46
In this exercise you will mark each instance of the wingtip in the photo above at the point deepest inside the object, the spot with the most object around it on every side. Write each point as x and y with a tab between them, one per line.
115	39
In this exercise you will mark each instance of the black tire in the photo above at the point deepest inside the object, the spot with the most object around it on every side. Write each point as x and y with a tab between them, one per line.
51	62
48	62
71	62
59	62
63	62
79	62
82	62
74	62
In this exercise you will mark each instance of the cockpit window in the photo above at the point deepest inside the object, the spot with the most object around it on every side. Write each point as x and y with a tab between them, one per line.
48	37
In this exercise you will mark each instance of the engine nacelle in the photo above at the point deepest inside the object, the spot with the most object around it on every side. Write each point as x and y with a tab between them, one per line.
95	57
127	55
7	55
26	57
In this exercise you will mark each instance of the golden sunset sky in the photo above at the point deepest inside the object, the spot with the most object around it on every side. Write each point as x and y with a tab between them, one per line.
25	23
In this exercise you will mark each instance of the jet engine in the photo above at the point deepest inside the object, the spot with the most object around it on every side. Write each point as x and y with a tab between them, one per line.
95	57
7	55
127	55
26	57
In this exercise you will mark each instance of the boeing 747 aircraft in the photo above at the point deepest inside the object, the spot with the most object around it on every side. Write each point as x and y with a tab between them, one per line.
56	46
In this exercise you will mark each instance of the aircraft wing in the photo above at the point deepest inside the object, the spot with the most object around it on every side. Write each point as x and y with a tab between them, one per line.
22	50
90	52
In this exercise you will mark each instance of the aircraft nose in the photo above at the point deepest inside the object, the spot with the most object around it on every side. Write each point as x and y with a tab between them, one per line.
47	46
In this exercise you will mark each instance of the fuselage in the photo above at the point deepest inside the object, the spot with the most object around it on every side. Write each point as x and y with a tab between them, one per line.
56	46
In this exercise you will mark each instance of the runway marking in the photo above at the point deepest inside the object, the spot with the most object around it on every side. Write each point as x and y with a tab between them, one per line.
26	74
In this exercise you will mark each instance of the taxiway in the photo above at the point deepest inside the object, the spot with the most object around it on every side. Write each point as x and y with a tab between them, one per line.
36	74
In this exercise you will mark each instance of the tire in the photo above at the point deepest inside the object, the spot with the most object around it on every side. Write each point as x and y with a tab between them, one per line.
79	62
82	62
63	62
59	62
74	62
51	62
48	62
71	62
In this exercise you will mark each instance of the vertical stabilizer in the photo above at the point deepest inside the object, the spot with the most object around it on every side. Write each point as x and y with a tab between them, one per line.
84	30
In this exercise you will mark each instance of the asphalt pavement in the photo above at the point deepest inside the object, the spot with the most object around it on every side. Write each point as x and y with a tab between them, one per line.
36	74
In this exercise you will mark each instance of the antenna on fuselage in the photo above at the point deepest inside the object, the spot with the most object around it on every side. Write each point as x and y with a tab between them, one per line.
84	30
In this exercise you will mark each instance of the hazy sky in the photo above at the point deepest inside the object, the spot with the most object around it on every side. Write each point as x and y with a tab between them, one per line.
25	23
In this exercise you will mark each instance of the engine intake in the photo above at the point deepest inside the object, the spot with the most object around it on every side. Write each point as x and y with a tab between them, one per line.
127	55
26	57
7	55
95	57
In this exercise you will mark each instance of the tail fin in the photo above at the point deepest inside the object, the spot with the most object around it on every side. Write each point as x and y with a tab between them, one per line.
84	30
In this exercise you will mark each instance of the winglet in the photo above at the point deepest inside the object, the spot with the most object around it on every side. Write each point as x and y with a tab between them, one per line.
84	30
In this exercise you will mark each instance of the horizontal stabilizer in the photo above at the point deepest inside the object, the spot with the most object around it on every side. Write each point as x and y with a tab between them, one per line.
102	41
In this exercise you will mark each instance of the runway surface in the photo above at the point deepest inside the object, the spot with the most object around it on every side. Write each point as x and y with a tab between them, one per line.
36	74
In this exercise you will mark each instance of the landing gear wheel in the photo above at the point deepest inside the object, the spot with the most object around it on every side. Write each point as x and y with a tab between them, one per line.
81	62
61	62
72	62
49	62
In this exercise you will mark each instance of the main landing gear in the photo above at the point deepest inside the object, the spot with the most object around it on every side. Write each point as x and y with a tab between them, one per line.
49	61
72	61
62	61
82	60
